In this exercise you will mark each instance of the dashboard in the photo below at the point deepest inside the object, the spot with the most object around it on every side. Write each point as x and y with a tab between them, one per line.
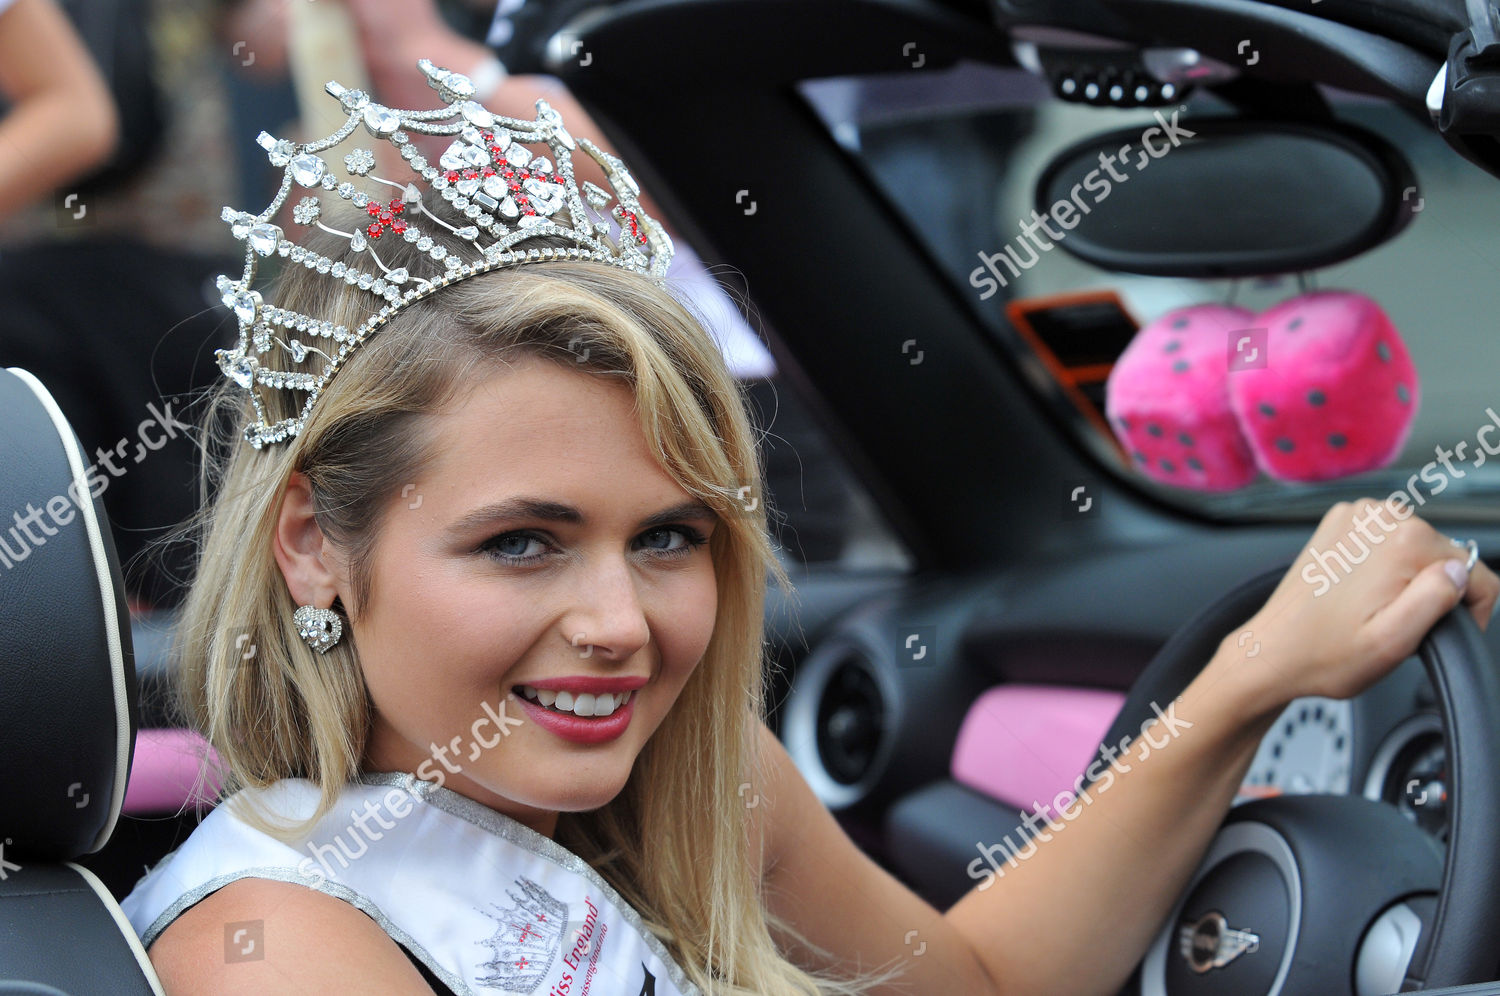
1309	750
1386	745
877	715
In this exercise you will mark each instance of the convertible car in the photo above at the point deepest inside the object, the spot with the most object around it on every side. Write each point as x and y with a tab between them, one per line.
1006	541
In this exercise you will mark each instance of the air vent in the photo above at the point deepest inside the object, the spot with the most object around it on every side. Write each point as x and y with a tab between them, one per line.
851	719
840	717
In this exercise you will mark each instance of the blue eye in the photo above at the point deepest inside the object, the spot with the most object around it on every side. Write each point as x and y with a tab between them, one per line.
511	548
690	539
525	547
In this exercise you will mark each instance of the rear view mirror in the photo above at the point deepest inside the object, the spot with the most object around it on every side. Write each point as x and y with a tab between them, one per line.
1227	197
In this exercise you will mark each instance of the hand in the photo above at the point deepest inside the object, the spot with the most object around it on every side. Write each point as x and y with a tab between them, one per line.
395	35
1359	599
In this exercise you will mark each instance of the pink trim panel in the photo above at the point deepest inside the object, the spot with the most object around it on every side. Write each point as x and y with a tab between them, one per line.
165	772
1023	744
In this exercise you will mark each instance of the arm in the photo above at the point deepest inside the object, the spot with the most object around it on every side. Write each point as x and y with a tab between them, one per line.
394	39
1077	914
63	121
312	944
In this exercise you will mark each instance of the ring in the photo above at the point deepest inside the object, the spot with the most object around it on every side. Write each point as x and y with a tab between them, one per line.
1473	547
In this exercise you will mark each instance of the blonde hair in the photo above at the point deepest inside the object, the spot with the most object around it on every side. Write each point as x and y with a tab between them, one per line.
289	713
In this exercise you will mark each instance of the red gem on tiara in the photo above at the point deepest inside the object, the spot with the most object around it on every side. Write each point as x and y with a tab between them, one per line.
398	226
373	208
376	229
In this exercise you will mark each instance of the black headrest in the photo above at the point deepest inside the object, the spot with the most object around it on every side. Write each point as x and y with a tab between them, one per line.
67	676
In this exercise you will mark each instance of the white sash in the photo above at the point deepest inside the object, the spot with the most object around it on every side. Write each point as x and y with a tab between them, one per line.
484	902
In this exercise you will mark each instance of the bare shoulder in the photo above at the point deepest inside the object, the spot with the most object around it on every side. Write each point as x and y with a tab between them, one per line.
262	936
777	799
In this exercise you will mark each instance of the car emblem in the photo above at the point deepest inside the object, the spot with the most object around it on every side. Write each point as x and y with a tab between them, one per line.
1212	943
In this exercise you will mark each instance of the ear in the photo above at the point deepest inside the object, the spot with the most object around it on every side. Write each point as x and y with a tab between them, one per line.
308	560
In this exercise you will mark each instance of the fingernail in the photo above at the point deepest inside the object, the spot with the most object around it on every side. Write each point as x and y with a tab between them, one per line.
1457	573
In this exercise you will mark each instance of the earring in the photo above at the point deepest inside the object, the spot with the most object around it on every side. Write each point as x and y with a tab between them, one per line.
320	628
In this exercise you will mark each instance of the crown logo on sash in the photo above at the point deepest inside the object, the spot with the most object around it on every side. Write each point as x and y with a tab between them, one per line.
528	939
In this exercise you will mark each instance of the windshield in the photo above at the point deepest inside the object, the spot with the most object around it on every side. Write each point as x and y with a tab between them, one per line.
958	155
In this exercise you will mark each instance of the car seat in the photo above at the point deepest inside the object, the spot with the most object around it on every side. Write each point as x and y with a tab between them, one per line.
68	712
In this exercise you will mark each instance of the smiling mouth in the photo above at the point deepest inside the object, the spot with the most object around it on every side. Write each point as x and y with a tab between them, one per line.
583	704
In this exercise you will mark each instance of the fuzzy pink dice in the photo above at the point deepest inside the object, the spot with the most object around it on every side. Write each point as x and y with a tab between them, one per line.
1337	392
1167	399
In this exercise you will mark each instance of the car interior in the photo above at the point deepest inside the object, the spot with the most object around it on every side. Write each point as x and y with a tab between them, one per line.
994	580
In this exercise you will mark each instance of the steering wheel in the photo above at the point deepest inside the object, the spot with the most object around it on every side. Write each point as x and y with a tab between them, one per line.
1314	895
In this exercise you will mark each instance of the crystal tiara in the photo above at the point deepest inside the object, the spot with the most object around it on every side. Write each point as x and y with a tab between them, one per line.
508	194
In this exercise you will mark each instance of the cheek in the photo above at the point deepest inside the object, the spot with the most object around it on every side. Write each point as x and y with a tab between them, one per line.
438	644
687	624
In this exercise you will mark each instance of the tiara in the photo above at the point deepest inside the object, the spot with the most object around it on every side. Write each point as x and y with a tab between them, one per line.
507	193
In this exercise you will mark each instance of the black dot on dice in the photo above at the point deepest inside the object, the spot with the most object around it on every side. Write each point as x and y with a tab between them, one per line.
1193	463
1383	351
1316	397
1294	324
1180	323
1184	439
1285	445
1168	466
1154	429
1402	394
1338	440
1267	410
1172	346
1180	366
1141	457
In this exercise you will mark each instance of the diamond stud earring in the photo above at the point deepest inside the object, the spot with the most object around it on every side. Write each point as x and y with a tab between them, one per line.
320	628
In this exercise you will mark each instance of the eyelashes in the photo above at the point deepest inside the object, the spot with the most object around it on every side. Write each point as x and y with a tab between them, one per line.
508	547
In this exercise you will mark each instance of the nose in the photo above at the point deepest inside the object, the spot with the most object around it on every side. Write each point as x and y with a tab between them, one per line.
609	618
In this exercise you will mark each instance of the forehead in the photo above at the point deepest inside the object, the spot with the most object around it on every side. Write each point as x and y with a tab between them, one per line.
533	422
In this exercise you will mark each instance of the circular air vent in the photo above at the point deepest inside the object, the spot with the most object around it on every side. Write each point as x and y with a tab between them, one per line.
838	721
851	717
1409	770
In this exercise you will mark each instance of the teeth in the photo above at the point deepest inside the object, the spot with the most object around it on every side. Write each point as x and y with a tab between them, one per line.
583	704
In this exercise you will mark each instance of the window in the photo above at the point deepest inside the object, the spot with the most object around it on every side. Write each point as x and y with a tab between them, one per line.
958	153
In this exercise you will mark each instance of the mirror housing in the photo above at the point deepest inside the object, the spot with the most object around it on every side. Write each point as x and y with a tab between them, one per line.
1228	197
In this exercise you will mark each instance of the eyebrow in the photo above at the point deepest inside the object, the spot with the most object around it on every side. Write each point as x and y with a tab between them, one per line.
552	511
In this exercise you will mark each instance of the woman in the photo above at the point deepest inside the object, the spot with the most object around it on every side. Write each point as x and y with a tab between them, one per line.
477	637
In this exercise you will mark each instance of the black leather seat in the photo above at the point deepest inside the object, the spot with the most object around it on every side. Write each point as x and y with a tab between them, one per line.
67	711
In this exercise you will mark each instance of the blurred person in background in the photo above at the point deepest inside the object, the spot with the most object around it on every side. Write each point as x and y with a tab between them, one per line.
62	122
104	275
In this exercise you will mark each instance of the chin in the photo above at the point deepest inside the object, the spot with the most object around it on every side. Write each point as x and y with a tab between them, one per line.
581	798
